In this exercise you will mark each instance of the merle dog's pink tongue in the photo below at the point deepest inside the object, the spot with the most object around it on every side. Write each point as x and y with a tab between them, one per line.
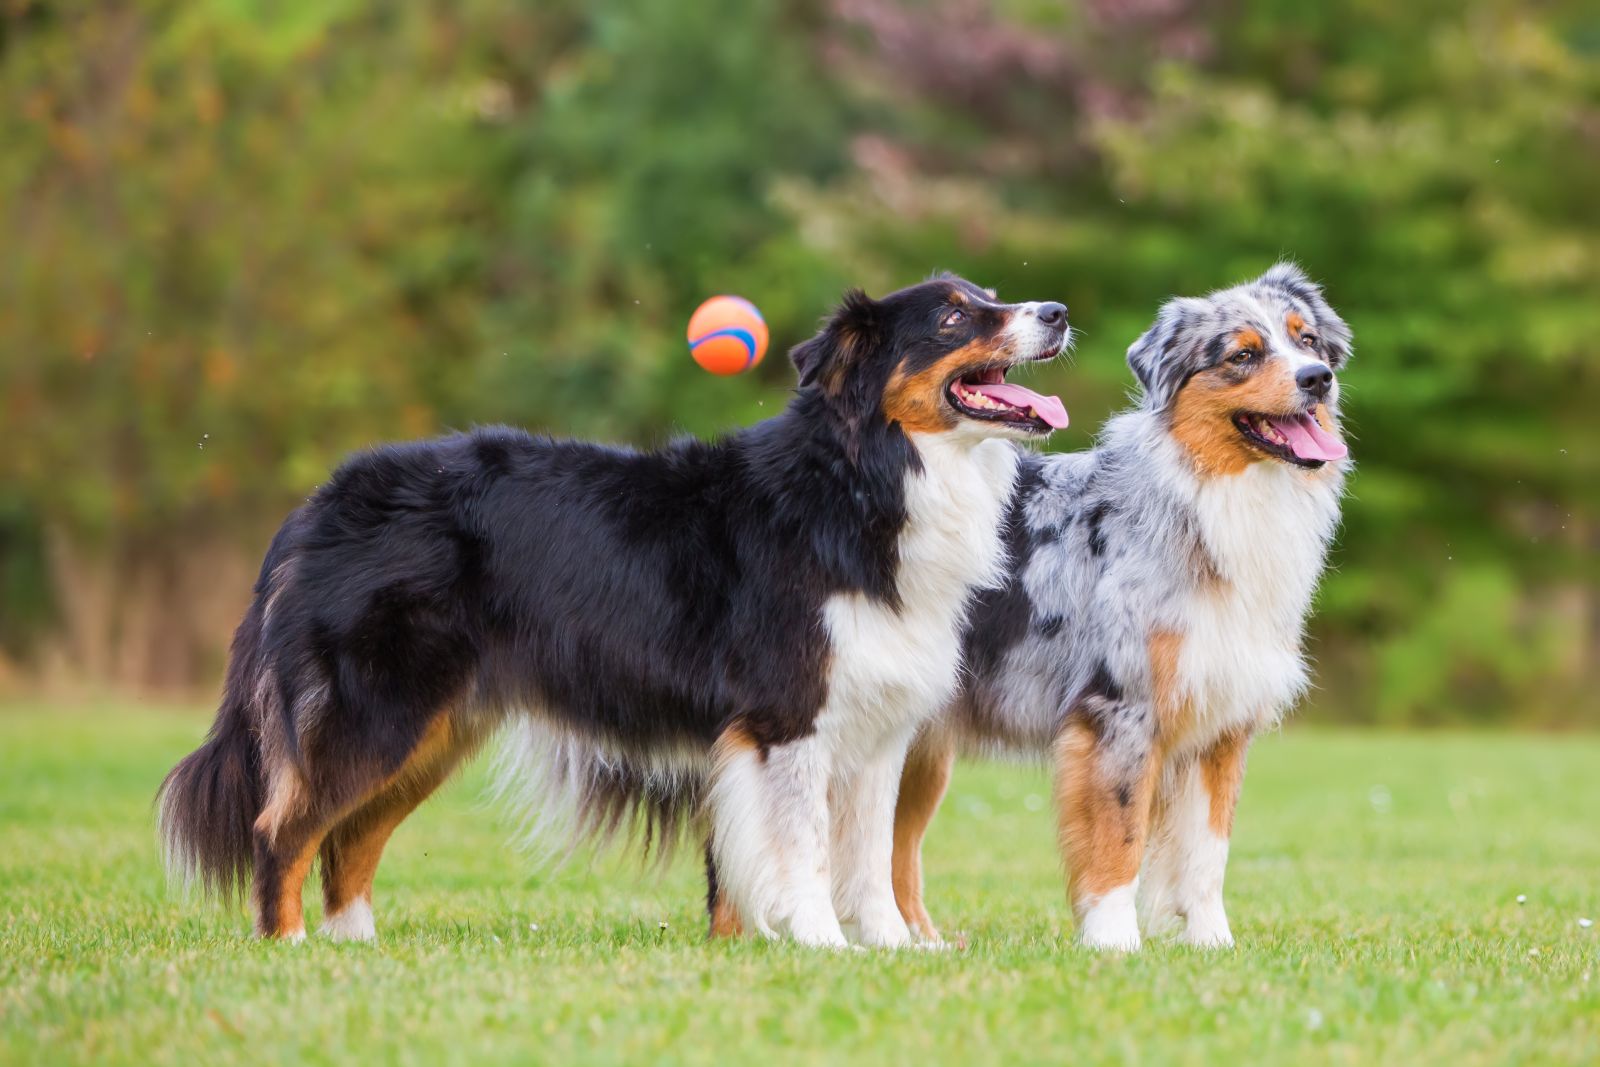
1308	440
1048	408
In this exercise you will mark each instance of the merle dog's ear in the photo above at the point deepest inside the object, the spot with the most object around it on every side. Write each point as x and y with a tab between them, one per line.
848	333
1332	331
1156	357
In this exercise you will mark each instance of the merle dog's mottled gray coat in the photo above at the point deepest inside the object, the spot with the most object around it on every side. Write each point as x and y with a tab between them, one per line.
1113	544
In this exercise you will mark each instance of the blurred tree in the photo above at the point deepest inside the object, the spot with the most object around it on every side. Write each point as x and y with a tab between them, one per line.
637	183
235	252
1434	164
245	238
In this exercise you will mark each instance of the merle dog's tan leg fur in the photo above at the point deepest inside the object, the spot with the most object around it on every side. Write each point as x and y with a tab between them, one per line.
1103	794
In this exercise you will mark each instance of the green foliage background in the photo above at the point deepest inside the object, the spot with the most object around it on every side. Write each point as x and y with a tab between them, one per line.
243	238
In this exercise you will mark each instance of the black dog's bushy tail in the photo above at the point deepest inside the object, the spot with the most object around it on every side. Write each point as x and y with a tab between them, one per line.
208	805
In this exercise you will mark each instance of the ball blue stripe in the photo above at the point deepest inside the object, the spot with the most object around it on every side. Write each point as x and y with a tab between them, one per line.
748	338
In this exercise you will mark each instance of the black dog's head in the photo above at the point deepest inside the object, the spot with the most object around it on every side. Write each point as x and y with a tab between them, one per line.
933	359
1247	374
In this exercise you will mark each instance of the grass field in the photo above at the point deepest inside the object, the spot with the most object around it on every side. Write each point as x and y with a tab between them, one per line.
1373	890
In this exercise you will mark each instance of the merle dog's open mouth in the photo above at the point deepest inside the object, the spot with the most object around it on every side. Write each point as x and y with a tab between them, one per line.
985	394
1298	438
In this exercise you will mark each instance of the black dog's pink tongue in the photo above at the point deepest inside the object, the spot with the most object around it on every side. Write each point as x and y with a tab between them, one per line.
1307	439
1048	408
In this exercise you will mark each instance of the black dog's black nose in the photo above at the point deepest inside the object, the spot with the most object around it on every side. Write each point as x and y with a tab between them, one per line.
1314	378
1052	314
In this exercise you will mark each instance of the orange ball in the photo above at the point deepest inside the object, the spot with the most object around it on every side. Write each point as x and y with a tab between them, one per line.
727	335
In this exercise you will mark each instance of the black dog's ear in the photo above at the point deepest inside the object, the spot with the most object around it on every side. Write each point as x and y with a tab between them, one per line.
1333	333
1155	357
848	333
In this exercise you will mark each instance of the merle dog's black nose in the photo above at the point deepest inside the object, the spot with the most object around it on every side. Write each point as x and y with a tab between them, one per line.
1052	314
1314	378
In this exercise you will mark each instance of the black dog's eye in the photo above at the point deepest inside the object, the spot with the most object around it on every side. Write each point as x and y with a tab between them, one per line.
1241	357
954	316
1309	340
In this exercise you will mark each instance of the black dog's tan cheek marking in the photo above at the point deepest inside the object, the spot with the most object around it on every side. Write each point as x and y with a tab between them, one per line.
916	400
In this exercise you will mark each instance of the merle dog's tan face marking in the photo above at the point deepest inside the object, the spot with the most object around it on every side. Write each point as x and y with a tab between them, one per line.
1246	383
1246	375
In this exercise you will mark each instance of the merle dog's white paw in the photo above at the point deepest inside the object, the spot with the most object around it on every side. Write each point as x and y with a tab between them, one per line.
1110	923
1207	928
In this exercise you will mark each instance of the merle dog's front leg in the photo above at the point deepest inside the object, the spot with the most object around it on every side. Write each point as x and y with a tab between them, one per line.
1105	780
1188	857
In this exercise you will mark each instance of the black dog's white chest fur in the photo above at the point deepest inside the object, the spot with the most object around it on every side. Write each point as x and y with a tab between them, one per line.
903	659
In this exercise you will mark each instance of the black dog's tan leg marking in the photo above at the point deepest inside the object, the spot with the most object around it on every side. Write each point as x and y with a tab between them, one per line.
922	787
298	817
287	834
1104	788
725	921
352	850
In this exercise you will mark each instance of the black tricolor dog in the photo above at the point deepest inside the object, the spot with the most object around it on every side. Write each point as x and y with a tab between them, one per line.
739	628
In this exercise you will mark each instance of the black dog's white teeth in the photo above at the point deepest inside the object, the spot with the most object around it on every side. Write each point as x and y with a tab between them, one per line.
971	398
974	399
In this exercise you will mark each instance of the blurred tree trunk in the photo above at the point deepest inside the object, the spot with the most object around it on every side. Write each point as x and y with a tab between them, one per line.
150	612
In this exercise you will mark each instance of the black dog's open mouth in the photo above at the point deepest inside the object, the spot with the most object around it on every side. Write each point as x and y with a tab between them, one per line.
985	394
1298	439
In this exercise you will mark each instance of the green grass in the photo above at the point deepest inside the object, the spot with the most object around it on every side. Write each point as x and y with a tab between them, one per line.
1373	891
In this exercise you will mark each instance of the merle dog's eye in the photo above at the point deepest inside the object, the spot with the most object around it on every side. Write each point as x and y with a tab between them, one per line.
1309	340
1243	356
954	316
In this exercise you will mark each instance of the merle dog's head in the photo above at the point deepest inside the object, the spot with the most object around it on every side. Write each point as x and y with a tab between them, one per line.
933	359
1248	374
